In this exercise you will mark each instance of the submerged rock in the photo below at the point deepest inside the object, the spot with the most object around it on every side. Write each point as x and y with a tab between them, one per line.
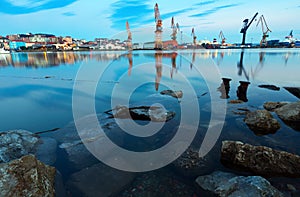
153	113
226	184
46	150
175	94
261	122
294	90
271	106
290	114
260	160
190	164
99	180
270	87
16	143
236	101
27	177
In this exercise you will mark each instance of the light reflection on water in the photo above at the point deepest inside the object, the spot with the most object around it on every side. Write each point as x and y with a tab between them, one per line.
36	88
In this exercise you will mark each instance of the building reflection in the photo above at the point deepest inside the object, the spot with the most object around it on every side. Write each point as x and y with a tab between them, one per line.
240	66
158	66
49	59
130	62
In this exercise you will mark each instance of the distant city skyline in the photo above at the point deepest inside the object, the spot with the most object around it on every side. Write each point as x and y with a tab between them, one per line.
89	19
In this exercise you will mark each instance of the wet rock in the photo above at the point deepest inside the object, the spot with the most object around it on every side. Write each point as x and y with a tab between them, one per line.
16	143
260	160
78	156
60	190
158	183
153	113
27	177
294	90
290	114
229	185
191	165
270	87
261	122
98	180
236	101
46	150
271	106
175	94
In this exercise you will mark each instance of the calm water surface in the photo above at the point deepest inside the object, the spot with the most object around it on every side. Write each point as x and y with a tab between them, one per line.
36	88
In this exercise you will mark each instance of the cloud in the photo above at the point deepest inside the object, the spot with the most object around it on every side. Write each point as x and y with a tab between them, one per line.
205	3
174	13
134	11
69	14
214	10
29	6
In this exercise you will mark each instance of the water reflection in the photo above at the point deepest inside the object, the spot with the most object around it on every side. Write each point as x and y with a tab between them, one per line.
240	66
49	59
225	88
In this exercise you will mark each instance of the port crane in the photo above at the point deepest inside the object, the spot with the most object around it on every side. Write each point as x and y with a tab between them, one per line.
129	38
264	26
159	27
222	37
245	27
175	29
194	37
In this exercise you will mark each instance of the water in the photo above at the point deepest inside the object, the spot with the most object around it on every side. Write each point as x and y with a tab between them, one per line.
36	90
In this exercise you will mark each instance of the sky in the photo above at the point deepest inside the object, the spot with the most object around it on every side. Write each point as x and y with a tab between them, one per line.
88	19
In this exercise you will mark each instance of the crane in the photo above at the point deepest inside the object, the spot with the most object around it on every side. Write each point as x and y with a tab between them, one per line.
129	38
264	25
245	27
175	29
194	37
158	31
221	36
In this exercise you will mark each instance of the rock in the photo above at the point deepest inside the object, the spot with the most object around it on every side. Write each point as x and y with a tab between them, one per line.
60	190
294	90
46	151
153	113
16	143
78	156
260	160
158	183
262	122
290	114
229	185
175	94
270	87
27	177
190	164
236	101
271	106
98	180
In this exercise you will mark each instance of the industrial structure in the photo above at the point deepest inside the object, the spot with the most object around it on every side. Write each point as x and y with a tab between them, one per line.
194	37
175	29
129	37
245	27
223	39
158	31
265	29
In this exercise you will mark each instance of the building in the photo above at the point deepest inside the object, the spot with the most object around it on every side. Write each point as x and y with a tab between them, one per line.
17	44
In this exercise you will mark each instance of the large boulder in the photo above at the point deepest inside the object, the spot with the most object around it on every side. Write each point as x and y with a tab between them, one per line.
260	160
229	185
27	177
98	180
175	94
261	122
290	114
294	91
16	143
270	87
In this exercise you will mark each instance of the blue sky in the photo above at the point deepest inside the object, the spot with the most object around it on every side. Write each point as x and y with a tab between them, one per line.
98	18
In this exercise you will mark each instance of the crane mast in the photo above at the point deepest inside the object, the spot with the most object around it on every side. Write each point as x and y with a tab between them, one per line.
129	38
175	29
245	27
158	31
264	26
222	37
194	37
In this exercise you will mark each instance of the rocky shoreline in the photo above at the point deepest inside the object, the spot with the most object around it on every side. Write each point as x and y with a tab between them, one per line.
29	164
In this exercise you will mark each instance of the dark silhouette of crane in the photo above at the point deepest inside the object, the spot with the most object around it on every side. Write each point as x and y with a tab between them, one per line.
246	25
